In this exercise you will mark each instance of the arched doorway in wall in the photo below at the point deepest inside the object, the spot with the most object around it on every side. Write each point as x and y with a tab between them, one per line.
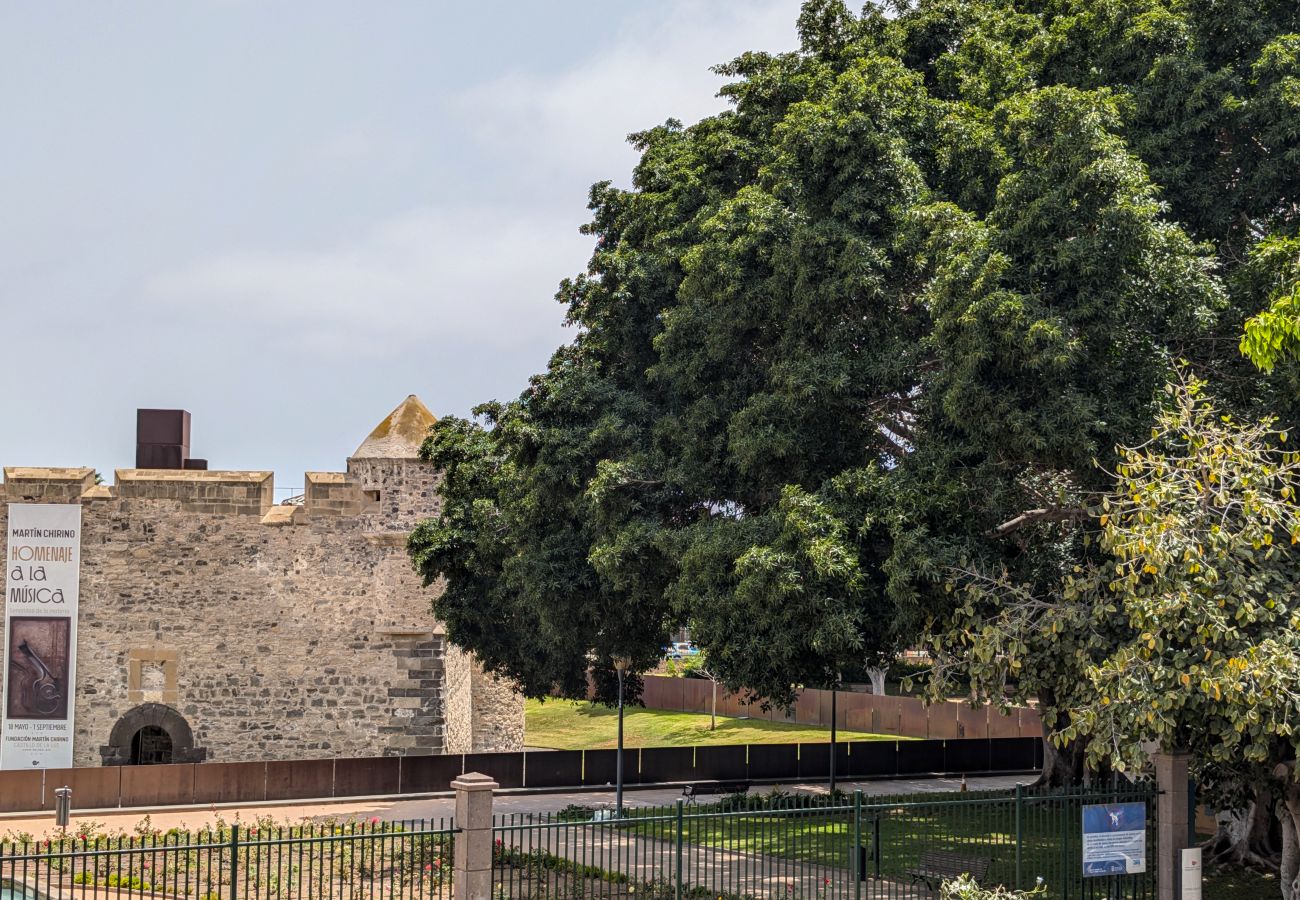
151	746
151	734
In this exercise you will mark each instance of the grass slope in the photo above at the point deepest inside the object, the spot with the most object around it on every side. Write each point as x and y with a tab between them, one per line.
574	725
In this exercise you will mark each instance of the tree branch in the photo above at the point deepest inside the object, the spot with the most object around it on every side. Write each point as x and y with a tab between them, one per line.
1031	516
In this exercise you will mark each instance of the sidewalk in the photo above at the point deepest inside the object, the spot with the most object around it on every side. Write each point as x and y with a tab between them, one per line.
718	871
442	806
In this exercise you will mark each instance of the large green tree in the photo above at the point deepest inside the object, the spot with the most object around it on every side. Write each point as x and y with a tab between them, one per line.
1201	530
1184	633
875	325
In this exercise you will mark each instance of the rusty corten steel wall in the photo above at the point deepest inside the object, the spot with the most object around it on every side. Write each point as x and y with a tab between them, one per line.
902	716
183	784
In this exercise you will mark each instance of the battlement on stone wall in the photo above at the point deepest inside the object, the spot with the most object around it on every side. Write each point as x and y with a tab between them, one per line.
386	482
199	491
238	493
46	485
327	495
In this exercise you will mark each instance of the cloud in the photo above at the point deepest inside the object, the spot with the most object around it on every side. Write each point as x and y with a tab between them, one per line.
465	275
480	274
361	146
577	121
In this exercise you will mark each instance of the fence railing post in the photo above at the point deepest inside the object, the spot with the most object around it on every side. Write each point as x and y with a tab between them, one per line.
234	862
471	877
858	855
1020	831
677	887
875	843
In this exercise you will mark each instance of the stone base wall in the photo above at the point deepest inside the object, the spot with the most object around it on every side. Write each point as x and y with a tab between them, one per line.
498	716
483	712
459	709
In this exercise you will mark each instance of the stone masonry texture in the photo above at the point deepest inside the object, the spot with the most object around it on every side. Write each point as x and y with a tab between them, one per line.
275	632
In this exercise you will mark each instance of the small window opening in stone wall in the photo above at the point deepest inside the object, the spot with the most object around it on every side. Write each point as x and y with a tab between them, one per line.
151	675
153	680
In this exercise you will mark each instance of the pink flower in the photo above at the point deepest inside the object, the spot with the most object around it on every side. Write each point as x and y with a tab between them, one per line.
428	867
374	820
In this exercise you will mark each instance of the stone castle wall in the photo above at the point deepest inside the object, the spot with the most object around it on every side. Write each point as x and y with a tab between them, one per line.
276	632
459	710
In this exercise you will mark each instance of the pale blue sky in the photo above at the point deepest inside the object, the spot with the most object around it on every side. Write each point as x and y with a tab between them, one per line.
286	216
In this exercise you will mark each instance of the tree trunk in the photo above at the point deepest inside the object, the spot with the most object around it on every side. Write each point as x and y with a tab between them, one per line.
713	709
1061	765
1245	838
1288	813
877	676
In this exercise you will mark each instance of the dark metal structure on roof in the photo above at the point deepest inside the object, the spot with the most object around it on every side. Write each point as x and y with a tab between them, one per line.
162	440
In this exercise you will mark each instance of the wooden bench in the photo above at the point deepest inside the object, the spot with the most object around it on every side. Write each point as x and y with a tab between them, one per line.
937	866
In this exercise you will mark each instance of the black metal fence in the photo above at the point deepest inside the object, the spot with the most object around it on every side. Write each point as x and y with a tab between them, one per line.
858	847
348	861
898	847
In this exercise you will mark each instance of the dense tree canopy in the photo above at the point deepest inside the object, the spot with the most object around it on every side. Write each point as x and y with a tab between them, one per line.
1184	633
885	319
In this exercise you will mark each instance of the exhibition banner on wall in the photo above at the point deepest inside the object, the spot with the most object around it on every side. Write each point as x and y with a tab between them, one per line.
42	581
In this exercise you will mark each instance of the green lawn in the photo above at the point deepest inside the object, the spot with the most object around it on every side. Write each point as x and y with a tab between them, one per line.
574	725
978	825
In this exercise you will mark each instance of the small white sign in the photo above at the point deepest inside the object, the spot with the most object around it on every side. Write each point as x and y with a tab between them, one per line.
1192	873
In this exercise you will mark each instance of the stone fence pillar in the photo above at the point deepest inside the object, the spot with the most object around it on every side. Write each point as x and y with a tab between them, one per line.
1173	821
472	858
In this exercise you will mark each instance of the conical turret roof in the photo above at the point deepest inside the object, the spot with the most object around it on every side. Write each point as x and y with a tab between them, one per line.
400	434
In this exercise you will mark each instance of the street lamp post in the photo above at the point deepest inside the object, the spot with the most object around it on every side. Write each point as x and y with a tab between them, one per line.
835	685
834	717
620	666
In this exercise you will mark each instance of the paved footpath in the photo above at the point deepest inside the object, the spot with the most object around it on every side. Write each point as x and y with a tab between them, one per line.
646	859
436	807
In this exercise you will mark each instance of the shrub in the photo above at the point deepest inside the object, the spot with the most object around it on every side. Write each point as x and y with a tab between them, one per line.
965	888
576	812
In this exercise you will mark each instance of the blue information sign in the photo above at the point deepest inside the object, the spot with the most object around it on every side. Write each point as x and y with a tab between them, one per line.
1115	839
